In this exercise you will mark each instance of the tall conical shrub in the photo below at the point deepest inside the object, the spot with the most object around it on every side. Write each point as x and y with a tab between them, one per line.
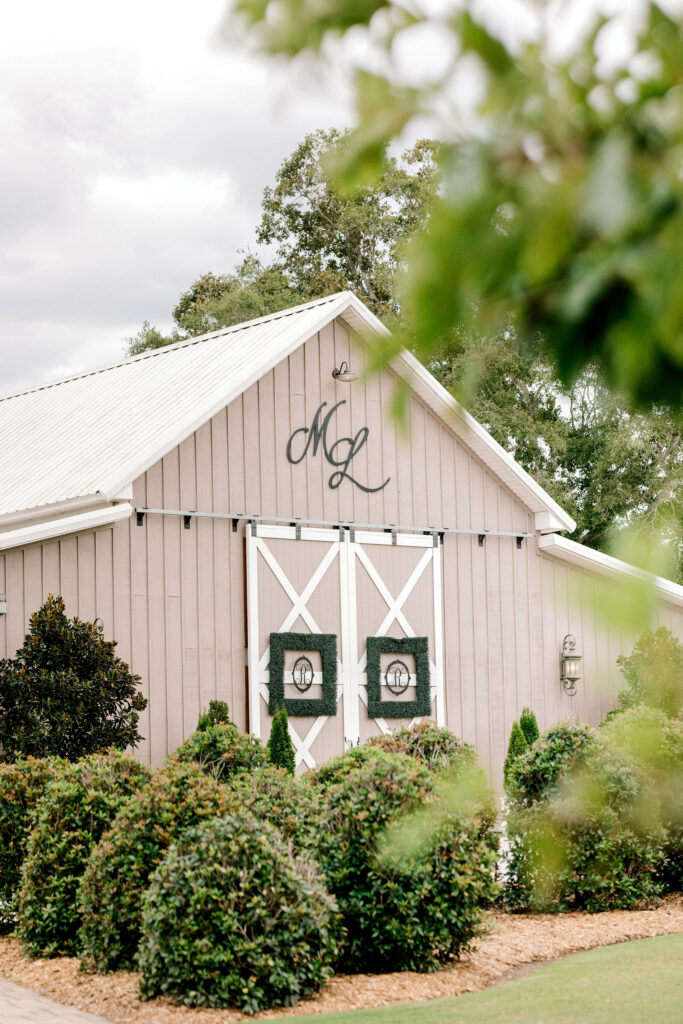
517	745
529	725
280	749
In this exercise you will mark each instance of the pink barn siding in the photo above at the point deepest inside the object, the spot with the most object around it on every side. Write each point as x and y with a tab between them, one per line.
174	599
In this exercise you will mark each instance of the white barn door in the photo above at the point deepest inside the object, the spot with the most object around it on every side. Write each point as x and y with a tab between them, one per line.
348	585
395	591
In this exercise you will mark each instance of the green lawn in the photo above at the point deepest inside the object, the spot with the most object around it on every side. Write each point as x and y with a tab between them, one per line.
632	983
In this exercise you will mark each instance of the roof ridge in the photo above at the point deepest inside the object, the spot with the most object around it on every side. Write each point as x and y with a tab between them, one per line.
184	343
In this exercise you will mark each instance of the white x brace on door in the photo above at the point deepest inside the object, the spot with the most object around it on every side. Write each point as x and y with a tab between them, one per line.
353	584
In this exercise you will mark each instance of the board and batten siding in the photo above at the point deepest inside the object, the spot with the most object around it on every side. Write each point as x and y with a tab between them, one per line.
174	599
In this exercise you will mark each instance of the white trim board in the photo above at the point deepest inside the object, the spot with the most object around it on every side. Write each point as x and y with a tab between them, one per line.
595	561
65	525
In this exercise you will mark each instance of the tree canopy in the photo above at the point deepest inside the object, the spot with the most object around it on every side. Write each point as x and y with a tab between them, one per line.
561	198
329	240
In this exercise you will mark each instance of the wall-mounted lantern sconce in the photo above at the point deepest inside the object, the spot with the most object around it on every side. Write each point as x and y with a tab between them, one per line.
570	665
344	374
3	605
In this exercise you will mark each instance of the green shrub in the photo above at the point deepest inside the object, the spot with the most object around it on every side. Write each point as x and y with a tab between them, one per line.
584	833
22	784
654	673
654	743
218	713
76	808
536	772
434	746
222	750
178	797
232	919
292	805
401	912
517	746
529	726
66	694
280	749
337	768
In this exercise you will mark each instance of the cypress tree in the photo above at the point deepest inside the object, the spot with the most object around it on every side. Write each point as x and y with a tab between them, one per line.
280	749
517	745
529	725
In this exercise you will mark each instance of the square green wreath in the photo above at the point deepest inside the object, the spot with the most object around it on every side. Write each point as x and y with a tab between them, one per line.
303	707
418	646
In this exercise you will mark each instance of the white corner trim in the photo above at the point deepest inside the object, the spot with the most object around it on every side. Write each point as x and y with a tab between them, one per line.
67	524
596	561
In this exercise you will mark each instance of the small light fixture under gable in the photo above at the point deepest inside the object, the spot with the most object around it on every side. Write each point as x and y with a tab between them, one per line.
3	605
570	665
344	373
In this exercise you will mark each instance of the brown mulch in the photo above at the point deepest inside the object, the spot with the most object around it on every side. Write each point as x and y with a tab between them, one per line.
512	941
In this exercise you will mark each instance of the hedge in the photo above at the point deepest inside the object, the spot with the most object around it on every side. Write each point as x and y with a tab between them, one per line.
177	797
222	750
291	804
436	747
585	824
232	919
76	808
22	784
401	913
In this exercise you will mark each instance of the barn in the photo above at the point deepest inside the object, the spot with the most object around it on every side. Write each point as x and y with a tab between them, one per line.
250	523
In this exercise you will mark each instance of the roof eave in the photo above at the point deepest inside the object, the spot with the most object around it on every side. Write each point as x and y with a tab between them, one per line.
596	561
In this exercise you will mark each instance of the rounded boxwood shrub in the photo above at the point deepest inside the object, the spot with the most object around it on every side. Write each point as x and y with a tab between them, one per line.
232	919
402	912
337	768
291	804
592	839
436	747
535	773
22	784
75	809
177	797
222	750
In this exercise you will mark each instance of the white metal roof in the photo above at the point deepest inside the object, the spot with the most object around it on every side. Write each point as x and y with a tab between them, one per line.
83	440
597	561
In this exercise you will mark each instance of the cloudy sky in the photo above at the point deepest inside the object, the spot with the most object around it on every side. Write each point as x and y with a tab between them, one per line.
134	153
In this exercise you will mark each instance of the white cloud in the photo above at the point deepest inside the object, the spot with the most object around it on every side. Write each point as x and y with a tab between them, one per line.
135	152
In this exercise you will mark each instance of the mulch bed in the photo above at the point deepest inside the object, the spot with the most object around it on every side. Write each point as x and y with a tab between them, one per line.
512	941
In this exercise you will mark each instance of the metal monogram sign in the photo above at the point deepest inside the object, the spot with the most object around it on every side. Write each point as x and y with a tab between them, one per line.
339	454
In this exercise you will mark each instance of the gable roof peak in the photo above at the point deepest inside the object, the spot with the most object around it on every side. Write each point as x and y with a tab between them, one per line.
94	433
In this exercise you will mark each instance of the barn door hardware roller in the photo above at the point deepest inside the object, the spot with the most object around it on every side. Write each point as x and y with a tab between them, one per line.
482	538
139	517
186	521
519	542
